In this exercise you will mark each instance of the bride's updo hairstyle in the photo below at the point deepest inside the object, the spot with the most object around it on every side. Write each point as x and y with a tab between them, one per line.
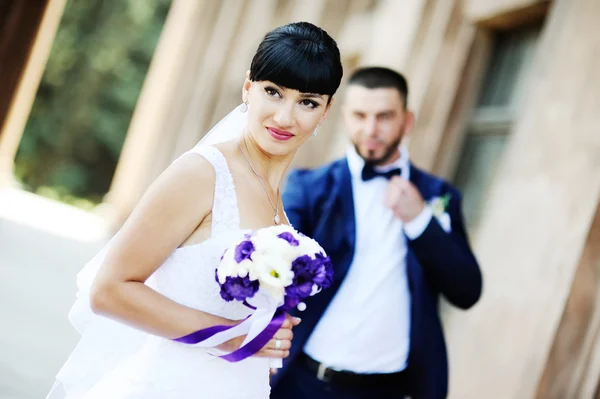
299	56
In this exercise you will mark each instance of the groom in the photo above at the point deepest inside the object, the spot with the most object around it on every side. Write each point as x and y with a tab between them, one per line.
397	240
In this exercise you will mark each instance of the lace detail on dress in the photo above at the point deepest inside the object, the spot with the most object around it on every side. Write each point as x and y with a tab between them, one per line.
225	209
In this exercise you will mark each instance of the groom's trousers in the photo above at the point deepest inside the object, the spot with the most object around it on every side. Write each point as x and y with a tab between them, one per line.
302	381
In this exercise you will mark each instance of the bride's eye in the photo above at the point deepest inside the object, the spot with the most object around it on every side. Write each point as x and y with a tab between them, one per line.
310	104
272	92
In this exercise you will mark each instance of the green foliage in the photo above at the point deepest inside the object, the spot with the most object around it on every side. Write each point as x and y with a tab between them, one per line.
97	65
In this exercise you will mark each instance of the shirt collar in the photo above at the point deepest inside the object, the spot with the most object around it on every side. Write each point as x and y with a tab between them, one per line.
356	163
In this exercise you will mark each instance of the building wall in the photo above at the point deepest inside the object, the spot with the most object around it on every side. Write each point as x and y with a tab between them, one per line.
535	238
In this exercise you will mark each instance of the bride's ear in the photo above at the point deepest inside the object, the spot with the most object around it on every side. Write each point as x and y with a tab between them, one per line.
246	87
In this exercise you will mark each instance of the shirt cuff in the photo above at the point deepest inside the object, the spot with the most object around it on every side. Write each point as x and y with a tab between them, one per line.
417	226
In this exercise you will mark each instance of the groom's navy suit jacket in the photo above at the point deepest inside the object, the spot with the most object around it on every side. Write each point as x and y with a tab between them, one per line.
319	203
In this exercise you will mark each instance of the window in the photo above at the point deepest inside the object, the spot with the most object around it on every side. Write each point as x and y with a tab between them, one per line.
493	117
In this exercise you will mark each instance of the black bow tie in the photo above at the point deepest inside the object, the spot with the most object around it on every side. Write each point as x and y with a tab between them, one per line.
369	173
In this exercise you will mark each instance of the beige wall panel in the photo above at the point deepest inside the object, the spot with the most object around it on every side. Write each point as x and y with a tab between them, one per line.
208	83
436	97
430	39
572	357
181	82
504	13
150	122
393	35
466	98
538	216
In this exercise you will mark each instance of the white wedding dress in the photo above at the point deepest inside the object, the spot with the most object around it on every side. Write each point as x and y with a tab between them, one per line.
117	362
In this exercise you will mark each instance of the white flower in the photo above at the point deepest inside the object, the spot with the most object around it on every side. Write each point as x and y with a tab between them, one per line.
438	207
444	221
272	270
308	246
274	246
276	292
228	267
242	269
274	231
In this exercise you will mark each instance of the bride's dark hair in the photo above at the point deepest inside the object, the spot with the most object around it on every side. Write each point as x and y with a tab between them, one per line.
299	56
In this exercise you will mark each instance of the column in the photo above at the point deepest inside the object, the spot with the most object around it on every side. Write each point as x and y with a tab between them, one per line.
19	37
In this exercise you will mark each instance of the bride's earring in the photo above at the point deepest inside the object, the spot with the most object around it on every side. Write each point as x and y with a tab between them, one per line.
244	106
316	130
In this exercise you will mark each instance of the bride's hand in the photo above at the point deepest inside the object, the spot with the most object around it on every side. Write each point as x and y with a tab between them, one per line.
272	349
279	346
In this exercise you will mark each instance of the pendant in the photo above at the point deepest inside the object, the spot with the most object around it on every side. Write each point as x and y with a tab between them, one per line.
276	219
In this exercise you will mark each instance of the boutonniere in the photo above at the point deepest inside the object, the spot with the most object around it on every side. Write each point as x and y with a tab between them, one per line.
439	206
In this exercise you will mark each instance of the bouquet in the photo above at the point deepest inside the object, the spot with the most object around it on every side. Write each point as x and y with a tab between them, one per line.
271	271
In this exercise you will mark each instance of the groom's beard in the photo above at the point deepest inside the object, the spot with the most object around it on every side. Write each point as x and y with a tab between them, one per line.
390	151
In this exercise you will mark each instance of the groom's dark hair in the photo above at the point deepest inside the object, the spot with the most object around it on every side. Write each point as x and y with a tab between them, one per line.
380	78
299	56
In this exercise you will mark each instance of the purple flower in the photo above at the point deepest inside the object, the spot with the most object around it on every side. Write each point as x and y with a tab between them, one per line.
307	273
290	302
243	251
239	288
289	237
322	270
302	283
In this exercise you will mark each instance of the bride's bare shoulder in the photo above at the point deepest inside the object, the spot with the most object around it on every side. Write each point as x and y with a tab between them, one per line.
170	210
187	185
191	168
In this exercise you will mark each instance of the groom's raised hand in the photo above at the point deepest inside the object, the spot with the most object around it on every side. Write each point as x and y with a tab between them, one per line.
404	199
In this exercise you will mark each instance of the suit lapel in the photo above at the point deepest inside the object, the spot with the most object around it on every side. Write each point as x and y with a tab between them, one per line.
426	186
347	201
336	232
416	179
337	228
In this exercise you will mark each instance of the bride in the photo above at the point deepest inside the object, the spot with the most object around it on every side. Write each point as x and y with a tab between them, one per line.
155	280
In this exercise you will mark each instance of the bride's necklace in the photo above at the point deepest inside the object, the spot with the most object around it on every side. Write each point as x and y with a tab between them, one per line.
275	207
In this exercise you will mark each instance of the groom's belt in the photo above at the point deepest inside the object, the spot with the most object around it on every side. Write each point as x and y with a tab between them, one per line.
349	378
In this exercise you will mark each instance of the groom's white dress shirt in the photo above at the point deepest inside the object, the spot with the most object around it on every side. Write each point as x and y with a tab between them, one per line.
366	328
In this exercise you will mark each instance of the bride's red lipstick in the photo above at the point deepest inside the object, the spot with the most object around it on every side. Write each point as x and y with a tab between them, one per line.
279	134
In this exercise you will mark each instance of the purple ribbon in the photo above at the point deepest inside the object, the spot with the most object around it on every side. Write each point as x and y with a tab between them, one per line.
245	351
259	341
204	334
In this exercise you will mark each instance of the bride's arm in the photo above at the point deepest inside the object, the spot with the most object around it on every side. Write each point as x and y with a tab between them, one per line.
168	213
